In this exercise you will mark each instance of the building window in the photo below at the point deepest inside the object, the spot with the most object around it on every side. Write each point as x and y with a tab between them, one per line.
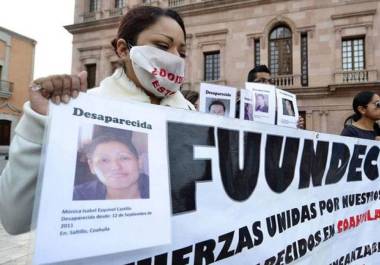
304	60
119	3
5	132
212	66
280	51
94	5
91	75
257	52
1	72
353	54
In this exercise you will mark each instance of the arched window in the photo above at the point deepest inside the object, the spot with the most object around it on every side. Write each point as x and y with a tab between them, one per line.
280	51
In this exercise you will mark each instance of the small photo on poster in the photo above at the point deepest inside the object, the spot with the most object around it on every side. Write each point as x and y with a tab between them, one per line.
111	164
248	111
264	98
246	105
218	100
218	106
261	102
287	109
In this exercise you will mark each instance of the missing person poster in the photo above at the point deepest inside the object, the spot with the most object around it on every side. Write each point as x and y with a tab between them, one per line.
247	103
218	100
287	110
104	186
299	197
264	109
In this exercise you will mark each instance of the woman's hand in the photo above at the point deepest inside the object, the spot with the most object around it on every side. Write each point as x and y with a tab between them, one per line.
57	88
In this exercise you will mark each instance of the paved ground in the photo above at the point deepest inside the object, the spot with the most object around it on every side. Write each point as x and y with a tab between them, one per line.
14	250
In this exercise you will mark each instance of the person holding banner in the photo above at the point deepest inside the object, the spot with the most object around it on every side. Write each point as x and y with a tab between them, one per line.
261	74
366	106
150	43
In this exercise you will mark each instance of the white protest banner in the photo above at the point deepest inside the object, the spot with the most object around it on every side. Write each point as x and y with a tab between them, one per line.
300	197
103	189
247	101
287	109
265	102
216	99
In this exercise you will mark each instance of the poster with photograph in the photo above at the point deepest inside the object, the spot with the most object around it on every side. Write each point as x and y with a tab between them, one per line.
264	109
218	100
101	180
287	109
247	103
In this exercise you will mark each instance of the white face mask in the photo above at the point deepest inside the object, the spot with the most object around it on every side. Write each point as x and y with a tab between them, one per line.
159	72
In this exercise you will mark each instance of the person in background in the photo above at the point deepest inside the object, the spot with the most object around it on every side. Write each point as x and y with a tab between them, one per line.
260	74
366	106
147	37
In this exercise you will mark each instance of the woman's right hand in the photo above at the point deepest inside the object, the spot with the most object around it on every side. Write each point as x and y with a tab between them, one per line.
57	88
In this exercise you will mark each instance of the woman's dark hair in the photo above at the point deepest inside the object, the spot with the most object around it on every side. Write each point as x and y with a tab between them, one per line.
190	95
140	18
90	148
361	99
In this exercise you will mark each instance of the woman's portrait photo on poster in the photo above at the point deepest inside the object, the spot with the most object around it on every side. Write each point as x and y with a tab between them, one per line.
248	111
287	107
112	164
261	102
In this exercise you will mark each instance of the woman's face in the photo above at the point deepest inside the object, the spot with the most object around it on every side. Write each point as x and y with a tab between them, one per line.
289	108
372	111
166	34
114	165
260	100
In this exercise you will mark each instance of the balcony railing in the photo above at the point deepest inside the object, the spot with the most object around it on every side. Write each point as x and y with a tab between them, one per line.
357	76
174	3
151	2
6	89
287	81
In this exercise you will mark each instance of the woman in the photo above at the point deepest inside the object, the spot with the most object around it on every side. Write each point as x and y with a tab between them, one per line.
151	45
115	163
366	106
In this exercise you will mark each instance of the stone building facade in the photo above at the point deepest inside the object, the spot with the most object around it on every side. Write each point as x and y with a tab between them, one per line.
324	51
16	73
